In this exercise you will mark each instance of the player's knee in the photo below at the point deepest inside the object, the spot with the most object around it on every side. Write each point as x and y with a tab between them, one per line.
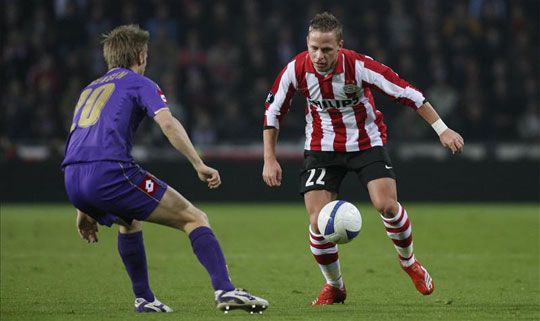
185	216
196	216
202	218
125	228
387	207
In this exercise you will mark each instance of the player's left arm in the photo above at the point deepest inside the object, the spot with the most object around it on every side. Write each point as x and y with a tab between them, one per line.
449	138
178	137
386	80
154	103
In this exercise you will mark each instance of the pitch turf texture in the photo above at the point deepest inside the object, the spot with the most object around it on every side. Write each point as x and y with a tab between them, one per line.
483	258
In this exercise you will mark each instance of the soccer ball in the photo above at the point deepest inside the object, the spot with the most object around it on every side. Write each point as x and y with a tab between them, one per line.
339	222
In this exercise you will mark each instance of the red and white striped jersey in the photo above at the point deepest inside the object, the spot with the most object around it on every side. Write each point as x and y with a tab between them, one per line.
340	112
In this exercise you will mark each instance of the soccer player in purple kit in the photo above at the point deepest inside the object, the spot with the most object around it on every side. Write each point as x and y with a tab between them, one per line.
106	186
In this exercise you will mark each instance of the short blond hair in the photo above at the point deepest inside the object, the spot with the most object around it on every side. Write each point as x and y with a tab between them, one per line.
326	22
123	44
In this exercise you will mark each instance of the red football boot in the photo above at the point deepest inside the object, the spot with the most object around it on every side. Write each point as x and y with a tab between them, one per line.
421	278
330	295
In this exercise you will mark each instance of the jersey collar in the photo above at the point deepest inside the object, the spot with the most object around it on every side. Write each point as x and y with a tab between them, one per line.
118	68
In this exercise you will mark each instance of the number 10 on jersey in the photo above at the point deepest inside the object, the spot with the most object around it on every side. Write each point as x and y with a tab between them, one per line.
92	102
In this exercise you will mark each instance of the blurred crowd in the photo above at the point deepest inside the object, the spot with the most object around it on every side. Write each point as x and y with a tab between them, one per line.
477	61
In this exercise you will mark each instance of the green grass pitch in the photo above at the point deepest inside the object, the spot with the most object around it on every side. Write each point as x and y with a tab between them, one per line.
484	259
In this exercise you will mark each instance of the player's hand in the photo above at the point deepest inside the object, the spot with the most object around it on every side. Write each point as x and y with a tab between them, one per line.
87	227
452	140
209	175
272	173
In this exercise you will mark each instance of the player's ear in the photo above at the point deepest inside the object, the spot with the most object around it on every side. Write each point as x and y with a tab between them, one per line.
340	44
140	58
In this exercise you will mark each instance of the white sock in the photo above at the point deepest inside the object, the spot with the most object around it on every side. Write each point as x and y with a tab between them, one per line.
326	255
399	230
332	274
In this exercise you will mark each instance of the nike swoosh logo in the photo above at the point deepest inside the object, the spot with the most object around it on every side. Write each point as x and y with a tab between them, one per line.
387	167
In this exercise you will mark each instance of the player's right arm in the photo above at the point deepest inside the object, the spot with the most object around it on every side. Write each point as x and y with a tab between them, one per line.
178	137
271	169
276	107
87	227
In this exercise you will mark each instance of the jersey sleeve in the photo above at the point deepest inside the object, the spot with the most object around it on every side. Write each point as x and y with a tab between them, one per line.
151	99
387	81
280	96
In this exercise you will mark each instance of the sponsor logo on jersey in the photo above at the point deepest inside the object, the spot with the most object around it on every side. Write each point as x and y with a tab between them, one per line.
270	98
351	89
334	103
161	95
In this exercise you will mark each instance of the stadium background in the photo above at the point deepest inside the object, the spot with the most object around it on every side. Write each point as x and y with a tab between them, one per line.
476	61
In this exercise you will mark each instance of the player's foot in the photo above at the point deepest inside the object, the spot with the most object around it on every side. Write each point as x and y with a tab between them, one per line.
240	299
141	305
330	295
421	278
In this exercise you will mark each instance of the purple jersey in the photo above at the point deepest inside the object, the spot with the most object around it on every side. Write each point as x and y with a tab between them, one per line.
107	115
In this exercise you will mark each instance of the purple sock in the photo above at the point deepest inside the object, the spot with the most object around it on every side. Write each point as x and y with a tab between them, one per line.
131	249
206	247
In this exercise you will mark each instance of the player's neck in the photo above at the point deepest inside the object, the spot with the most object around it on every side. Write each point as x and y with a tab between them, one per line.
137	69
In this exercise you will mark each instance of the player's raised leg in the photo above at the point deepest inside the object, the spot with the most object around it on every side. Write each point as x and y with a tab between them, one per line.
324	252
133	254
176	211
398	227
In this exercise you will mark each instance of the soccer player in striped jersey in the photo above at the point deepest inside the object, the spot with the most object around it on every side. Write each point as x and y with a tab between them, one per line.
106	186
346	132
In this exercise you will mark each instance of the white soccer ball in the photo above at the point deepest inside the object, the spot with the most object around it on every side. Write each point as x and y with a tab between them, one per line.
339	222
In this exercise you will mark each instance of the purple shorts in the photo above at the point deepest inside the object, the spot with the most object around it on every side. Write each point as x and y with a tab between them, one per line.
110	190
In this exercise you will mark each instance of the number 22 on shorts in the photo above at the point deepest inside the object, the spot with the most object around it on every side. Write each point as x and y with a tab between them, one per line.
320	177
